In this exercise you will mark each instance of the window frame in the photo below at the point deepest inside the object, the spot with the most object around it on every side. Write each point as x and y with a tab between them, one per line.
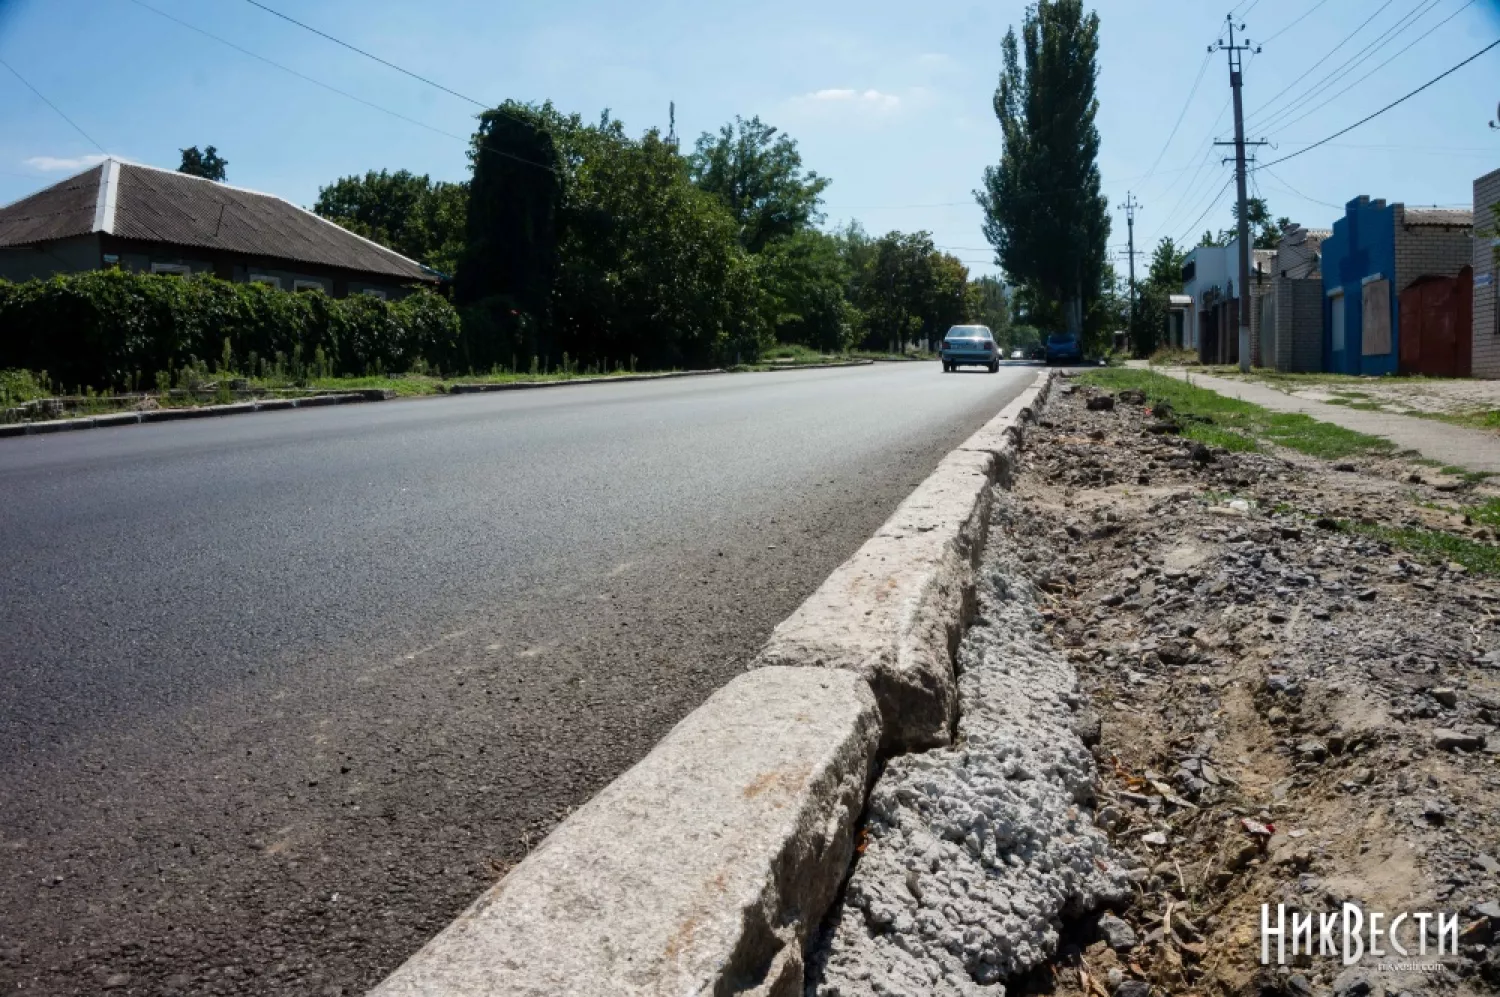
172	269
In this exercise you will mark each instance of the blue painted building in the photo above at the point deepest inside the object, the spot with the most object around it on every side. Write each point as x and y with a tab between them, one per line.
1359	264
1377	254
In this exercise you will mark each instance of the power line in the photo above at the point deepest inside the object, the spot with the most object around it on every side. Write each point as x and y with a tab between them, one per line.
333	89
1419	38
1298	21
1278	119
1192	91
1213	204
367	55
386	62
1362	25
287	69
1400	100
54	107
1294	191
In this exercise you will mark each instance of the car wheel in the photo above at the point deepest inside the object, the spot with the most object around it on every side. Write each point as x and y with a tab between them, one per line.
994	367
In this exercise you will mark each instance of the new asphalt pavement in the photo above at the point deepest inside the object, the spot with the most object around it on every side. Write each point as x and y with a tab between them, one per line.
280	694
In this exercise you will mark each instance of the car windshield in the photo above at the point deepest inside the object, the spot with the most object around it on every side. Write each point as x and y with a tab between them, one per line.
1060	337
968	332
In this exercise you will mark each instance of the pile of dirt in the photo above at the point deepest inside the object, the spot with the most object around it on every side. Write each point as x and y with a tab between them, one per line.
1290	710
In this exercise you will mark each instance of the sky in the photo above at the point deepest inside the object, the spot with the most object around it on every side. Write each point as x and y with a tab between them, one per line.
892	101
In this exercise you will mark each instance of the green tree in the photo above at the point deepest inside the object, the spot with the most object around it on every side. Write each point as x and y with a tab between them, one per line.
1264	234
414	215
757	173
651	266
905	289
508	270
207	164
806	278
1166	265
1044	212
989	305
1153	304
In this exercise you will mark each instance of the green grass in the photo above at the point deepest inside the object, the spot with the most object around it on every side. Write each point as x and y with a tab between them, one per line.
882	355
1477	557
1217	420
1486	512
1474	419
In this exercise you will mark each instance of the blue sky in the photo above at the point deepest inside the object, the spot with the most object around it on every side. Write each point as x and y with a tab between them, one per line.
891	100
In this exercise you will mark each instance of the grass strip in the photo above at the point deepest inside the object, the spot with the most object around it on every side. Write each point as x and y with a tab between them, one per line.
1477	557
1218	420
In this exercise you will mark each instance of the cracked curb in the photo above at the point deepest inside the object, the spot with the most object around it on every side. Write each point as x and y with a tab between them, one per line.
709	866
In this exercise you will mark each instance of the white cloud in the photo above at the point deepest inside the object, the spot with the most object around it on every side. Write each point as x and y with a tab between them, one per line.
53	164
865	98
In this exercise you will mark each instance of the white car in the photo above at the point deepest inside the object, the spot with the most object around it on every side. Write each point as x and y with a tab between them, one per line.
973	345
1018	354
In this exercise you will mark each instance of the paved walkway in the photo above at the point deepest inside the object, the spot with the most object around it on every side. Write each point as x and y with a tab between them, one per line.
1474	449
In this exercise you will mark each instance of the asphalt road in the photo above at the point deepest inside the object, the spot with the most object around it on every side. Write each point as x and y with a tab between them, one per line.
280	694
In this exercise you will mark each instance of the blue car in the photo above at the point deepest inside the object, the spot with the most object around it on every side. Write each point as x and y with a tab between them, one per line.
1064	347
970	345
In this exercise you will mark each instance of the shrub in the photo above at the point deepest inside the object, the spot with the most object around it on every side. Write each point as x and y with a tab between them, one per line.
100	328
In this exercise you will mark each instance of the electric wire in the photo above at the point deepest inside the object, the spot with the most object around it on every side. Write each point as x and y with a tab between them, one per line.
1292	85
43	97
1288	124
1278	119
1398	101
335	90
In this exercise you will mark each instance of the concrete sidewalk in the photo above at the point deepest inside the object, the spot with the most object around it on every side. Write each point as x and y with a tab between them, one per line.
1473	449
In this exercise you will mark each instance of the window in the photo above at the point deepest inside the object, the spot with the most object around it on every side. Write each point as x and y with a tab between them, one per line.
1189	271
265	278
374	292
172	269
307	285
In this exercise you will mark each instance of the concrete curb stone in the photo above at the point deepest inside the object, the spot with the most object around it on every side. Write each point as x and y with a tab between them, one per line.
706	867
198	412
474	389
895	611
702	870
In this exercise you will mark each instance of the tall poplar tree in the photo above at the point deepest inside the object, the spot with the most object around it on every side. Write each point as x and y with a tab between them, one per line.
1044	212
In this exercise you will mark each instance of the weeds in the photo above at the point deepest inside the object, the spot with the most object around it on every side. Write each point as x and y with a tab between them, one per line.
1217	420
1476	556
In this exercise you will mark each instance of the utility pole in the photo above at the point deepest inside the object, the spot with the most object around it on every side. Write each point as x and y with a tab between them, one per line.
1129	207
1236	82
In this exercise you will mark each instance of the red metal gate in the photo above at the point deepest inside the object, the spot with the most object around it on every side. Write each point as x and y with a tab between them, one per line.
1437	325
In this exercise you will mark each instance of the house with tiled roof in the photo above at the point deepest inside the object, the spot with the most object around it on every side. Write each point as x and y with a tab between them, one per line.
150	220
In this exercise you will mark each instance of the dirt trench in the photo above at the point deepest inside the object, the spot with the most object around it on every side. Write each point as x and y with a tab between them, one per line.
1288	709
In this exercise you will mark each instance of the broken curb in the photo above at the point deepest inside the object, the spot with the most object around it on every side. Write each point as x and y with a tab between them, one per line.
894	611
706	867
702	870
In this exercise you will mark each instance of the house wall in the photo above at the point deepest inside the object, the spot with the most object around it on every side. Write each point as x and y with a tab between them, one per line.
1363	244
1210	272
75	255
1299	324
1429	249
1486	278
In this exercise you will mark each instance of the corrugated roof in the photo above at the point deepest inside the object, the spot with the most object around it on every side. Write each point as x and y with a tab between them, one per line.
65	209
155	205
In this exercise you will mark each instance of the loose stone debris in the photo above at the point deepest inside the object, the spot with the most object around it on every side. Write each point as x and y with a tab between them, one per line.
1187	651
